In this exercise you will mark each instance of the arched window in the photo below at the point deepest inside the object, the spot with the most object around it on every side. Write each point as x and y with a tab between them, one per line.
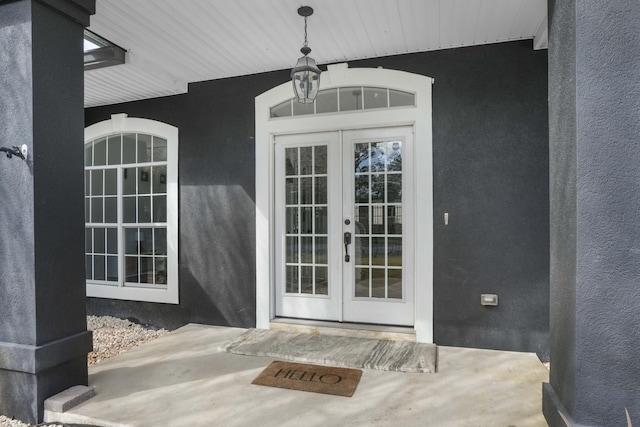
131	210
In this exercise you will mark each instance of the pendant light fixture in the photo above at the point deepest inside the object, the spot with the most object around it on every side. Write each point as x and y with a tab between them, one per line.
306	74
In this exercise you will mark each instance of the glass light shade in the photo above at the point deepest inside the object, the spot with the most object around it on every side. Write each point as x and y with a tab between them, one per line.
306	79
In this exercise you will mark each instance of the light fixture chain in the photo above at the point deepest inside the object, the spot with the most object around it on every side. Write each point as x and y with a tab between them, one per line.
305	31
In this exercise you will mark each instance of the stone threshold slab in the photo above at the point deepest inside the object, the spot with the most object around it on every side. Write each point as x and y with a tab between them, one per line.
350	352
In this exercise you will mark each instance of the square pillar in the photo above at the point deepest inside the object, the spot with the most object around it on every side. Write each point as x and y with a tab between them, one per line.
594	131
43	332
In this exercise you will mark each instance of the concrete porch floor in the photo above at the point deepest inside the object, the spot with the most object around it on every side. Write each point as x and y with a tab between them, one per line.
186	379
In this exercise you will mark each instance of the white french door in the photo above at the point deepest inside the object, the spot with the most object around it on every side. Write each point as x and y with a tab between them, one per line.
344	226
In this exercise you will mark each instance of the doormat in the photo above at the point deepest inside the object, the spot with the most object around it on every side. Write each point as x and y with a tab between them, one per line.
349	352
313	378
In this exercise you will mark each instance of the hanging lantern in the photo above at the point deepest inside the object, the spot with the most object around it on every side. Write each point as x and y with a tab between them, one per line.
306	74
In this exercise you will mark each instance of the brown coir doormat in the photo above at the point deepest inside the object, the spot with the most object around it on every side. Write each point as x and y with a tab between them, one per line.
314	378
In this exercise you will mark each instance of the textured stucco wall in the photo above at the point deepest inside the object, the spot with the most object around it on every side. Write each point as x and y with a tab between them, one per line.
42	290
595	200
491	175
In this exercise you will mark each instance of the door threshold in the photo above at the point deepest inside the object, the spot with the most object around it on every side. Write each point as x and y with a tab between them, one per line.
359	330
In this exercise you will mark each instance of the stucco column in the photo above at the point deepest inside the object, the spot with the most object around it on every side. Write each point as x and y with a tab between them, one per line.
594	124
43	336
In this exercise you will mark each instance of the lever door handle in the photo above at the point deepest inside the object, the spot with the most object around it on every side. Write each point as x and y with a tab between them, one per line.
347	242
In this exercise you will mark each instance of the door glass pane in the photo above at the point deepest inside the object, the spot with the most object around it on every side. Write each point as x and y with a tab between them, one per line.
306	280
292	249
321	250
306	220
361	284
306	195
306	250
320	190
292	279
291	161
394	188
378	283
306	158
322	281
306	191
361	251
393	152
292	220
320	159
321	220
291	191
395	283
362	189
378	219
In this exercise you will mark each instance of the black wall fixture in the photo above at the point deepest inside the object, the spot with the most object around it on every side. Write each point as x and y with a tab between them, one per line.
16	151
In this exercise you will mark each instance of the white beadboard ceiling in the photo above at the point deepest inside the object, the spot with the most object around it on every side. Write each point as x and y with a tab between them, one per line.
171	43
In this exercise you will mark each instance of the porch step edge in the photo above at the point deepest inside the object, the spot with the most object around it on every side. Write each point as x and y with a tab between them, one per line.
379	332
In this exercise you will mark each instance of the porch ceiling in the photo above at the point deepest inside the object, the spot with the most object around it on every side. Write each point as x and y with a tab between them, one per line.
171	43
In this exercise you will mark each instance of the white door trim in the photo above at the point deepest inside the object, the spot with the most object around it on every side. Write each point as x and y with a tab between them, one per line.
419	117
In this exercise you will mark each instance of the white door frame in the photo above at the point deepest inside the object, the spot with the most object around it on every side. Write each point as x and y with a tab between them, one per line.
418	116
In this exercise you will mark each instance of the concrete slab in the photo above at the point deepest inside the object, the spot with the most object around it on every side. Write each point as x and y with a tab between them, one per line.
187	379
350	352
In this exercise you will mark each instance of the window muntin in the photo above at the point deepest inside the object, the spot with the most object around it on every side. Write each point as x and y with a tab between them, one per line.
352	98
126	211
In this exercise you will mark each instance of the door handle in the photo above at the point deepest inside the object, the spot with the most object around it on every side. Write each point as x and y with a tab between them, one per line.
347	242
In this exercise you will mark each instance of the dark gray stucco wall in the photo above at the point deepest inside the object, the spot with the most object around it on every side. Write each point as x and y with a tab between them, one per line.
491	175
43	336
595	200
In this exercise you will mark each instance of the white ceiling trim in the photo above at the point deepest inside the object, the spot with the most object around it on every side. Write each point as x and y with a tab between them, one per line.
171	43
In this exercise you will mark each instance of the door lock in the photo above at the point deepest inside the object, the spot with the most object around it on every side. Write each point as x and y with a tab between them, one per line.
347	242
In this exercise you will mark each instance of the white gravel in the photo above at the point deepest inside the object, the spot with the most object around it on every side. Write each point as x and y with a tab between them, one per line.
111	336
